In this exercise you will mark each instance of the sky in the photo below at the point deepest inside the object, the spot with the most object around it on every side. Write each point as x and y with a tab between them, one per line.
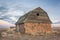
11	10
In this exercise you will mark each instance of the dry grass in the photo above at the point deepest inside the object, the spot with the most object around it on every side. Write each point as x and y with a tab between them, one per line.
18	36
3	29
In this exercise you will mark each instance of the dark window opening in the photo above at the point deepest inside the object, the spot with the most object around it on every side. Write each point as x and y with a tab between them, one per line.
37	14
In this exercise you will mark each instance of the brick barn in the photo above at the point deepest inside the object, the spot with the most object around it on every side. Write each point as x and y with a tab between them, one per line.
35	21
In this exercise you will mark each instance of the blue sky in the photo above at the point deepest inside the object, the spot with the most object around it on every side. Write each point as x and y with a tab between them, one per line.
11	10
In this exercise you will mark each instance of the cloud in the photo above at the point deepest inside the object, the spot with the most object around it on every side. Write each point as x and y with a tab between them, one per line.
3	10
13	18
11	15
5	23
13	12
55	25
55	19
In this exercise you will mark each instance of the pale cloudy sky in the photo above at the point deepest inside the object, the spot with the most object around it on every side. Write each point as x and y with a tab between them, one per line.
11	10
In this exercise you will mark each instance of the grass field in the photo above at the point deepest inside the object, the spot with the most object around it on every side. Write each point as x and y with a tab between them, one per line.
53	36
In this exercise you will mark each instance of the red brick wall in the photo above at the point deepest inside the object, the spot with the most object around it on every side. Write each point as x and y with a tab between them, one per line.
33	28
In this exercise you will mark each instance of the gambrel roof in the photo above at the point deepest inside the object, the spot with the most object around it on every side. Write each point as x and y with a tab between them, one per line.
36	15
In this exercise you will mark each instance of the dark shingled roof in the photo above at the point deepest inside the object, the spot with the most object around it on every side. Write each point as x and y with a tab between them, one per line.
27	17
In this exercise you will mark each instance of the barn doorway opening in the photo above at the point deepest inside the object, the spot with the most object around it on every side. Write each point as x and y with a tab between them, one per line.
21	28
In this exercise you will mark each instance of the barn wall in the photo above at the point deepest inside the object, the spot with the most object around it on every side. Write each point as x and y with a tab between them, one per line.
20	28
33	28
17	28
